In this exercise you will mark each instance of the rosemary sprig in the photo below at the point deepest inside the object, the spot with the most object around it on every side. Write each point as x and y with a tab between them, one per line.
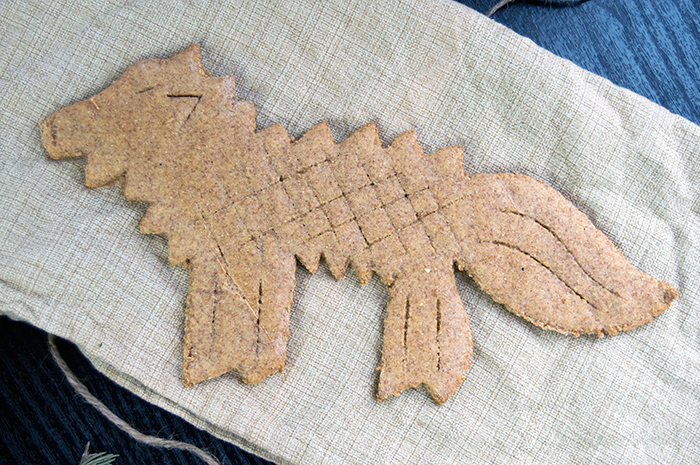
101	458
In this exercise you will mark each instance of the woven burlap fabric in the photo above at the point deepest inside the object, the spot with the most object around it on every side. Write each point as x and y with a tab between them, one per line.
73	263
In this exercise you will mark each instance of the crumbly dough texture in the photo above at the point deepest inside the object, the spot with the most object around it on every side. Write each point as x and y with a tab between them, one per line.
238	206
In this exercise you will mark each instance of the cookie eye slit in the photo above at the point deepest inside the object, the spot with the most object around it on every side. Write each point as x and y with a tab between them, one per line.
188	96
145	90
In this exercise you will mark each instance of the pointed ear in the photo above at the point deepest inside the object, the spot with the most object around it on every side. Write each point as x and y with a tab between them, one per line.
191	58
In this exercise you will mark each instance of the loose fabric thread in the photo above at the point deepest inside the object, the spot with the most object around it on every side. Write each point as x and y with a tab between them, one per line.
118	422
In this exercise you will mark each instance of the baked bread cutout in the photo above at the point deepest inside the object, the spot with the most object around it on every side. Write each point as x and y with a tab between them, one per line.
239	207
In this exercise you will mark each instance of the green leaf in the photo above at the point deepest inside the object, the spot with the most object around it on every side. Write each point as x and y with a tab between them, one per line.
101	458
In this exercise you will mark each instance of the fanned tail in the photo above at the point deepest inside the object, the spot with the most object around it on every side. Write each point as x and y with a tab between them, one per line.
544	260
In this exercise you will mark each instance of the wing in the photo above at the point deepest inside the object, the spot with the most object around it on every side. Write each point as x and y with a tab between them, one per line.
533	251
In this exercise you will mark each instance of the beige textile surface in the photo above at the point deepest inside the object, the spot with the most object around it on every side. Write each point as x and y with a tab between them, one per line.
73	263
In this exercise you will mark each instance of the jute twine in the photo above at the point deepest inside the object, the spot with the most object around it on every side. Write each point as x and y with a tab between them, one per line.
118	422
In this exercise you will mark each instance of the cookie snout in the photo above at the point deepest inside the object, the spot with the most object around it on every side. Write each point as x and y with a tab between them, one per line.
68	132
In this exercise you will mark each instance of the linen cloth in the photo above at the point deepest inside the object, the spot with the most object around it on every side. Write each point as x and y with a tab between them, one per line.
72	261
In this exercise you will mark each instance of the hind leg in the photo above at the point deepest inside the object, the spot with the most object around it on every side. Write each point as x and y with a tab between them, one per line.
426	333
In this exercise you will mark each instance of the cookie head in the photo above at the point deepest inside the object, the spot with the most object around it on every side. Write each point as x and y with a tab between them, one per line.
147	105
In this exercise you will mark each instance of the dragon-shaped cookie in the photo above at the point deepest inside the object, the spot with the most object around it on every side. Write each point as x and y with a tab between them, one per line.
238	206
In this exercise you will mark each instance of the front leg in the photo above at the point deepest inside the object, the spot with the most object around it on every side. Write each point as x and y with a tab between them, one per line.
238	311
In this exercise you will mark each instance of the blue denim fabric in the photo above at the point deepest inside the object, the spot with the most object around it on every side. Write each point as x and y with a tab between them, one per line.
652	48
